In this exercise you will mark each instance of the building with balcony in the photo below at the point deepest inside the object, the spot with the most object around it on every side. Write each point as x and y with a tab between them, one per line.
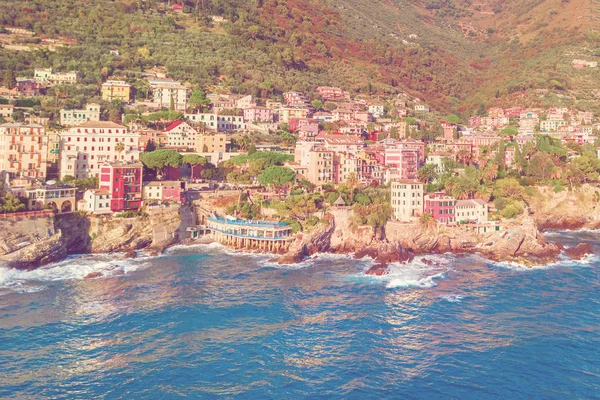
216	122
441	206
169	94
123	181
48	76
24	150
246	234
84	148
6	111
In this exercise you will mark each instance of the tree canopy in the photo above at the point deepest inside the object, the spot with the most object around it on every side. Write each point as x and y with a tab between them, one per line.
276	176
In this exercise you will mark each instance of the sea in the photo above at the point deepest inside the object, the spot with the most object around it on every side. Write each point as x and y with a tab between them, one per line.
207	322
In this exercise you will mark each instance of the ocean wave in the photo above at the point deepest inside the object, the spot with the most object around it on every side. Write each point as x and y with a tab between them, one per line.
422	272
563	261
75	267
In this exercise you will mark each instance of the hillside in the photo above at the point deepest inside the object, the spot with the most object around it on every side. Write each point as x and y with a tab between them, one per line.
454	54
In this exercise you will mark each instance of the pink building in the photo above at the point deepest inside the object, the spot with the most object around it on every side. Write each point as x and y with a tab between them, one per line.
259	114
294	99
331	93
28	87
475	121
441	206
124	183
449	131
157	191
405	160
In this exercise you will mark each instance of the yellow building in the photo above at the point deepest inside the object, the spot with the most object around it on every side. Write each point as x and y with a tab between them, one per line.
208	143
116	90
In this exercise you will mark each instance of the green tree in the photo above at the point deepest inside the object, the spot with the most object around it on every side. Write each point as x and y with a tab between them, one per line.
453	119
276	176
509	131
317	104
9	79
252	149
198	99
159	159
10	203
427	173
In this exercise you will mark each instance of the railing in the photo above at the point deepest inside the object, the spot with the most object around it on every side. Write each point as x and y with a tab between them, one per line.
239	235
249	223
25	214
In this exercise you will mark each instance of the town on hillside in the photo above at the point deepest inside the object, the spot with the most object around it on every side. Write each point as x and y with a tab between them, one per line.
295	154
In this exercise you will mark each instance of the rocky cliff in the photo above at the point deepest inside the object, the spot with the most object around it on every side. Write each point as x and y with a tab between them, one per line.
518	241
29	242
576	208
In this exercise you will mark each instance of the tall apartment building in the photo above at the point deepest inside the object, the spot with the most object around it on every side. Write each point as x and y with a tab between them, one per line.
24	150
91	112
84	148
167	93
116	90
407	199
123	181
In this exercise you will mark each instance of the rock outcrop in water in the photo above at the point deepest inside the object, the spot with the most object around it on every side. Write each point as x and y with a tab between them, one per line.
518	241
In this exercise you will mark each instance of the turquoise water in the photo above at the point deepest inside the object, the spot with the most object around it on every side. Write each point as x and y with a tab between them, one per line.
203	322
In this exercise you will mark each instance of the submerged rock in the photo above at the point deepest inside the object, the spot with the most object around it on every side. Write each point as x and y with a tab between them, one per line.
130	254
93	275
378	270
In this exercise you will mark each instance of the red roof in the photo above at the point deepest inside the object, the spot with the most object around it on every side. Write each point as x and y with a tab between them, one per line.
173	125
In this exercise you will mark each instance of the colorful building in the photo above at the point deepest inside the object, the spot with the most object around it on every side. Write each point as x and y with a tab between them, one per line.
24	150
84	148
123	181
116	90
158	191
441	206
96	201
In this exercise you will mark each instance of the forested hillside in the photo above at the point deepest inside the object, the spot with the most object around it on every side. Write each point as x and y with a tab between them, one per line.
454	54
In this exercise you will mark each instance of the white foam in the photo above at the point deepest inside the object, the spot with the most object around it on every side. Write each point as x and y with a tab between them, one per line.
453	298
72	268
421	272
563	261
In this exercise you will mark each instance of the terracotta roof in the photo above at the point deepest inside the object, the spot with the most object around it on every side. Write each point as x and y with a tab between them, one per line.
173	125
100	124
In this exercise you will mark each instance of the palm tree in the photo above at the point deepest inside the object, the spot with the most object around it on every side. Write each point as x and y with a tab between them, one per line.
352	182
491	173
483	192
120	147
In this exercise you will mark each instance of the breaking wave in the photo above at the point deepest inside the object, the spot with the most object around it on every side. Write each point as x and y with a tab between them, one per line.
75	267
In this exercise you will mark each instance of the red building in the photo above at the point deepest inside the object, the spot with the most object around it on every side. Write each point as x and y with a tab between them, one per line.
28	87
441	206
124	183
171	173
449	131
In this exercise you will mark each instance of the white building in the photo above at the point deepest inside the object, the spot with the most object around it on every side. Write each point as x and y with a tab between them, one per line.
96	201
91	112
407	199
377	110
473	210
85	147
46	75
216	122
181	135
166	92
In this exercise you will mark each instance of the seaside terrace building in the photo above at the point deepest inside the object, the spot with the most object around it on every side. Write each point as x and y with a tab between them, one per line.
60	198
247	234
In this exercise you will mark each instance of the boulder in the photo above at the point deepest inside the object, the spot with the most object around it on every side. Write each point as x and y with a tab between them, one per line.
579	251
